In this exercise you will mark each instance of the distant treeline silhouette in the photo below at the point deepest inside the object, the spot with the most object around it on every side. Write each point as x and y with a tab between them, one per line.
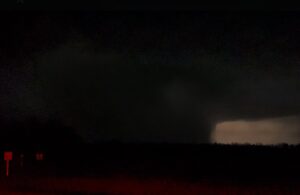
191	161
36	134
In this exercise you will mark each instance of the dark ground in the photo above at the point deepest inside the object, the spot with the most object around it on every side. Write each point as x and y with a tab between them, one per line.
115	168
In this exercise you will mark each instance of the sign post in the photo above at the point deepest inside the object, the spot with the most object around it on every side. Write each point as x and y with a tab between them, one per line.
7	157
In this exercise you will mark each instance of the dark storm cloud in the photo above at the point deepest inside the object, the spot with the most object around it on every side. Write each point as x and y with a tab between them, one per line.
154	77
118	96
123	96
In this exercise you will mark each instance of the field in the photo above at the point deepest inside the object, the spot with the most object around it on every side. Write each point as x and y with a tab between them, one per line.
134	186
153	173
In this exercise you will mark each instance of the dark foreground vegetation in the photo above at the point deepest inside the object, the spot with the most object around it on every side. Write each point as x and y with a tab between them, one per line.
116	168
178	160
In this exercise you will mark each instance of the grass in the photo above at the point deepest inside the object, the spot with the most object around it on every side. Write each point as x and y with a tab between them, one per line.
125	185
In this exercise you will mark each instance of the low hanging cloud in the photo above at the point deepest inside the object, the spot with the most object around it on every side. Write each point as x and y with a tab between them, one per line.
109	96
114	78
134	97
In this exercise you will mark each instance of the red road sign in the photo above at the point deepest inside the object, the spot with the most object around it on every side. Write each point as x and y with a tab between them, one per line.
8	155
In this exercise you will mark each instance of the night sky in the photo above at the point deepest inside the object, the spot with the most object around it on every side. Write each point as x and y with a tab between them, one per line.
183	77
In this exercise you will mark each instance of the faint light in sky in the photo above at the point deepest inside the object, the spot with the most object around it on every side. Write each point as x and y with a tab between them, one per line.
265	131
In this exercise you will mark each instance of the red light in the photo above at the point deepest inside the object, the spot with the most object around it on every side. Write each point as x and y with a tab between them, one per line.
39	156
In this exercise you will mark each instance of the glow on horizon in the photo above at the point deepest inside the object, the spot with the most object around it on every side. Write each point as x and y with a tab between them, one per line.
265	131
